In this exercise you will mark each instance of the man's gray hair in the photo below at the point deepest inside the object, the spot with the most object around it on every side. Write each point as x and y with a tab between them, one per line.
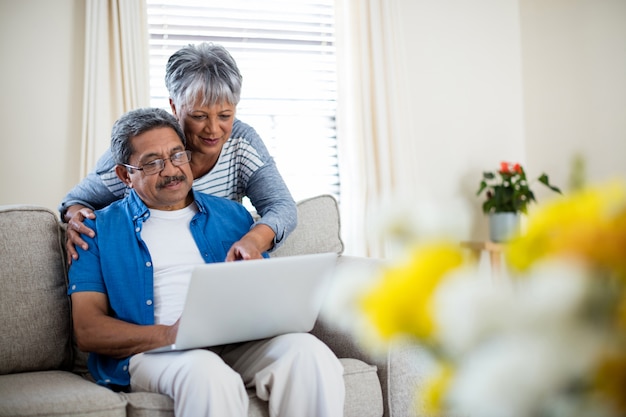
136	122
205	71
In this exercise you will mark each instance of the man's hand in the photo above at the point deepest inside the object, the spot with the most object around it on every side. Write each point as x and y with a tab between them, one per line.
75	216
171	332
252	245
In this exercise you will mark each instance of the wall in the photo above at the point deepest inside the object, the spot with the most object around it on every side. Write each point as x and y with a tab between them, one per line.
41	44
531	81
574	66
464	66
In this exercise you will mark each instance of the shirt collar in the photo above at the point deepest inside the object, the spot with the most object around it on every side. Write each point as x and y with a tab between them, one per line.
138	208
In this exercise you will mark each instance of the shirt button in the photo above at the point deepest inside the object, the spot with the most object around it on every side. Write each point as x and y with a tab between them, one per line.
148	264
149	302
125	368
137	229
73	287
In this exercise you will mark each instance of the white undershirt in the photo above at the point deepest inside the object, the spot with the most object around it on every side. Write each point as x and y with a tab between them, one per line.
174	253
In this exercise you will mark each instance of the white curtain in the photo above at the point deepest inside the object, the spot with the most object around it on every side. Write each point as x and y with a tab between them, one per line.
116	73
373	119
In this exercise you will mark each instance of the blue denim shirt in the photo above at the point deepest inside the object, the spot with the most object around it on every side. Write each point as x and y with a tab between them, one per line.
119	265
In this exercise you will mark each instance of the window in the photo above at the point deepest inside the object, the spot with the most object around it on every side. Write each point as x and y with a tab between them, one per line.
285	51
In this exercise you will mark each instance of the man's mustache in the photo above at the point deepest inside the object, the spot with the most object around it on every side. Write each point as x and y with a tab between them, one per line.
167	180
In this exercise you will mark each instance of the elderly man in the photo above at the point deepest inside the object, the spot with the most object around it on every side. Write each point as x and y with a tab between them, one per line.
129	286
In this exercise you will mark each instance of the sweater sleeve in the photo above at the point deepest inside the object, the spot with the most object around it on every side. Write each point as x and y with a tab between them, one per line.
98	189
271	198
267	190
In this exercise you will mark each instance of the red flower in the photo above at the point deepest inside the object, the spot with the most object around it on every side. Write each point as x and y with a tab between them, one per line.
504	167
517	168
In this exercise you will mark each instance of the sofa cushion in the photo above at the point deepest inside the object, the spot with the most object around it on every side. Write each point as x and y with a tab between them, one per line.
318	230
34	306
57	393
149	404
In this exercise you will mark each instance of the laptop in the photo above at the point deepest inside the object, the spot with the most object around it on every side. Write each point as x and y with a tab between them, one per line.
230	302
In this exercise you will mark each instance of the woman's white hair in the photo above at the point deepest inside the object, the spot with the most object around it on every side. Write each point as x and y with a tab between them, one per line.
205	71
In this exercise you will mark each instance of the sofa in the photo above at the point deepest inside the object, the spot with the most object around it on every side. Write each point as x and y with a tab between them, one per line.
42	373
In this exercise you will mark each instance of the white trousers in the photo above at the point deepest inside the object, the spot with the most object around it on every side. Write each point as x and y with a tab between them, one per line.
296	373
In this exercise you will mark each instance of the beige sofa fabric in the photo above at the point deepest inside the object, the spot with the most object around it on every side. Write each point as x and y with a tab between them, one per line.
57	393
35	311
318	230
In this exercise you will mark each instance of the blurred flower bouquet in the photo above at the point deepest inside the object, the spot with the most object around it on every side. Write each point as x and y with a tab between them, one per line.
549	342
507	190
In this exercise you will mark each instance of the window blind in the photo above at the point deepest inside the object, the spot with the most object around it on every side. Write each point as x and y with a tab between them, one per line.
285	51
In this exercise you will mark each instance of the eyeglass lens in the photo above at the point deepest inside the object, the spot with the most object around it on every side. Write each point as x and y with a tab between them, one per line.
179	158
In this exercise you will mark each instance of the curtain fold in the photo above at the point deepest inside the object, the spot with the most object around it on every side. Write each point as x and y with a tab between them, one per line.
116	71
373	123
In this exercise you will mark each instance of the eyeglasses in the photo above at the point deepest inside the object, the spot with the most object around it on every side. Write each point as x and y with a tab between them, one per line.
158	165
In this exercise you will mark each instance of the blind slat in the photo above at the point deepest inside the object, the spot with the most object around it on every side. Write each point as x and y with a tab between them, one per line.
285	50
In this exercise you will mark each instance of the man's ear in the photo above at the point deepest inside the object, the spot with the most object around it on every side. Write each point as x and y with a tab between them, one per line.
122	173
173	107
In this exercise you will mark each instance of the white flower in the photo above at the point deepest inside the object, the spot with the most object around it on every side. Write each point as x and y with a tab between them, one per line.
341	308
519	345
553	293
406	222
519	374
469	307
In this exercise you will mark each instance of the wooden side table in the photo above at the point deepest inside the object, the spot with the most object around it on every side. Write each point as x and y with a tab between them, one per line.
495	253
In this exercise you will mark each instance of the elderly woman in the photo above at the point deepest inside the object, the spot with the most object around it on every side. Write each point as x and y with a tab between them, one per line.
228	159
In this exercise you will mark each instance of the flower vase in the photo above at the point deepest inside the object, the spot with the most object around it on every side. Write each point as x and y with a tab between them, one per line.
503	225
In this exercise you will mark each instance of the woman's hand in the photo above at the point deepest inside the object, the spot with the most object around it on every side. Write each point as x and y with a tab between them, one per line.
75	217
252	245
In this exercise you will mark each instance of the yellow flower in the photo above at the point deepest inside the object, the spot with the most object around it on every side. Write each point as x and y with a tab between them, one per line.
432	397
589	225
401	303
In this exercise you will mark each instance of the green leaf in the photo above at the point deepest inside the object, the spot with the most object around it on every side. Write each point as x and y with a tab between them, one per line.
483	185
487	205
545	181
